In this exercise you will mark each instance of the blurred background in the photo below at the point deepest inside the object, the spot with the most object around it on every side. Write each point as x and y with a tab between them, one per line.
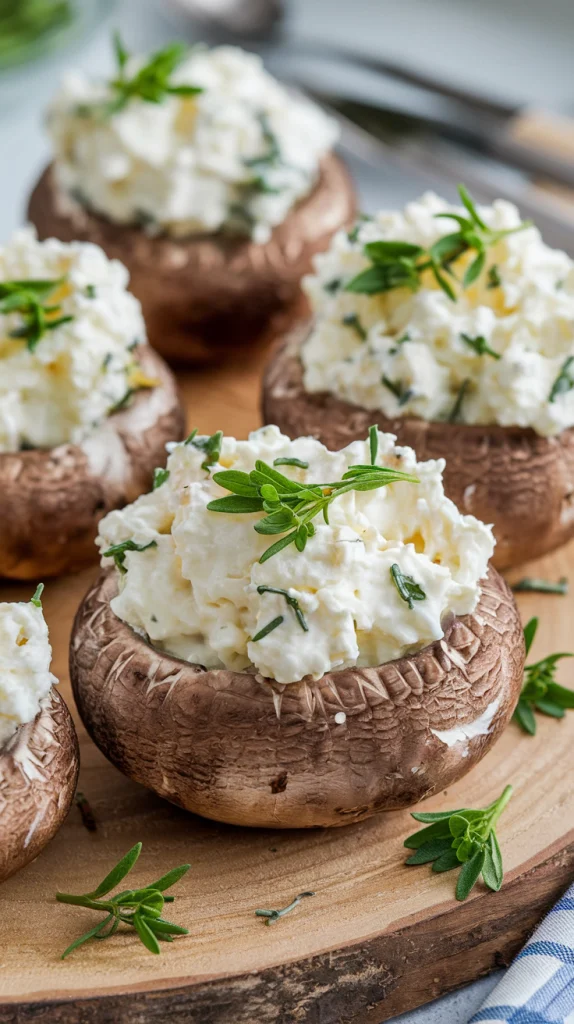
428	93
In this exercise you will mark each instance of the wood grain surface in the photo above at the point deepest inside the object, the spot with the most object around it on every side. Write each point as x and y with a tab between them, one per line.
377	938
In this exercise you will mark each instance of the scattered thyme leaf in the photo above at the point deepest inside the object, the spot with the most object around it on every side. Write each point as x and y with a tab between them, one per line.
540	691
291	462
407	587
268	628
291	601
402	393
272	916
211	446
139	908
494	278
480	346
159	477
86	813
28	299
454	414
90	290
564	381
37	598
333	286
373	443
538	586
152	83
462	838
118	552
353	321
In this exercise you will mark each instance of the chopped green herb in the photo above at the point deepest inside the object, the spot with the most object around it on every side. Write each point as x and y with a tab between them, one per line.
564	381
291	601
268	628
397	264
494	279
407	587
540	691
463	839
27	298
373	443
140	908
333	286
399	342
454	414
37	598
152	82
107	360
352	320
123	402
118	552
398	389
271	916
91	291
480	346
536	586
291	462
159	477
211	446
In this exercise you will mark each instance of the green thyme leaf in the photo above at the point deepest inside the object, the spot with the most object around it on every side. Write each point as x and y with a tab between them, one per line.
564	381
37	598
27	298
268	628
402	393
480	346
152	83
118	552
291	462
291	601
373	443
494	279
352	320
333	286
159	477
210	445
271	916
540	691
454	415
407	587
537	586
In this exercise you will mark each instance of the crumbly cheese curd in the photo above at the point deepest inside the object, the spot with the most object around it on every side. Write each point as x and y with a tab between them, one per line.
414	353
58	387
238	155
191	583
25	656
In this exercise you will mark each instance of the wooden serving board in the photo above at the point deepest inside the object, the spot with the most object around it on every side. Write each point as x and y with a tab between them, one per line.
377	939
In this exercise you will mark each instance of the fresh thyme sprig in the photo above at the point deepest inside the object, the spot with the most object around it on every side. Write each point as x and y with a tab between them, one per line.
564	381
211	446
272	916
291	506
140	908
540	692
535	586
37	598
28	299
152	82
463	839
118	552
397	264
480	346
407	587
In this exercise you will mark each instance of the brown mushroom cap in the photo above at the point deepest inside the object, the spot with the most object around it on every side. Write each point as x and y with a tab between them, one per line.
51	500
208	293
509	476
245	750
38	775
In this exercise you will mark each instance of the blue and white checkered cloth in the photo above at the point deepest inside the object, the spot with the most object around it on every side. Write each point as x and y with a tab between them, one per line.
538	987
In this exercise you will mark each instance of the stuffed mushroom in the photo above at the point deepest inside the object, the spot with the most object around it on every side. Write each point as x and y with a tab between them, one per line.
38	745
207	178
86	406
452	327
285	636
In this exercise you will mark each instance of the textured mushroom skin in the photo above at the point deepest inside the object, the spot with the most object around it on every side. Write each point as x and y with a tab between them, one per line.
509	476
52	500
38	775
210	292
242	749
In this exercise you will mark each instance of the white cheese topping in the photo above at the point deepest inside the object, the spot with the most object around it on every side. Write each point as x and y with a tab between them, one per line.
194	592
25	656
415	339
60	388
237	155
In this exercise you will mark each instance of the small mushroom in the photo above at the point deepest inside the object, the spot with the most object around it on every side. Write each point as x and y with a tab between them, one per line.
208	294
512	477
38	774
51	500
243	749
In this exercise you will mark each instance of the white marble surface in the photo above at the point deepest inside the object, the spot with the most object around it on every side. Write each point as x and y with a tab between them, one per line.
520	49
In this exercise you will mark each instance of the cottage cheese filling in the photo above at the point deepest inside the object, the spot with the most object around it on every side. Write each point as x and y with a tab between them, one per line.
193	574
59	386
238	155
502	352
25	656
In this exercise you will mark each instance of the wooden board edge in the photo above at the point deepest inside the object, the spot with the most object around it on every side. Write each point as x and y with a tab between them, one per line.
362	984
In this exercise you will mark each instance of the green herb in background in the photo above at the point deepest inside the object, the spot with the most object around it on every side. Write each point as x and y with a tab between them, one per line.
291	506
272	916
480	346
564	381
402	393
464	839
152	82
454	414
536	586
140	908
540	692
353	321
24	23
37	598
27	298
398	264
